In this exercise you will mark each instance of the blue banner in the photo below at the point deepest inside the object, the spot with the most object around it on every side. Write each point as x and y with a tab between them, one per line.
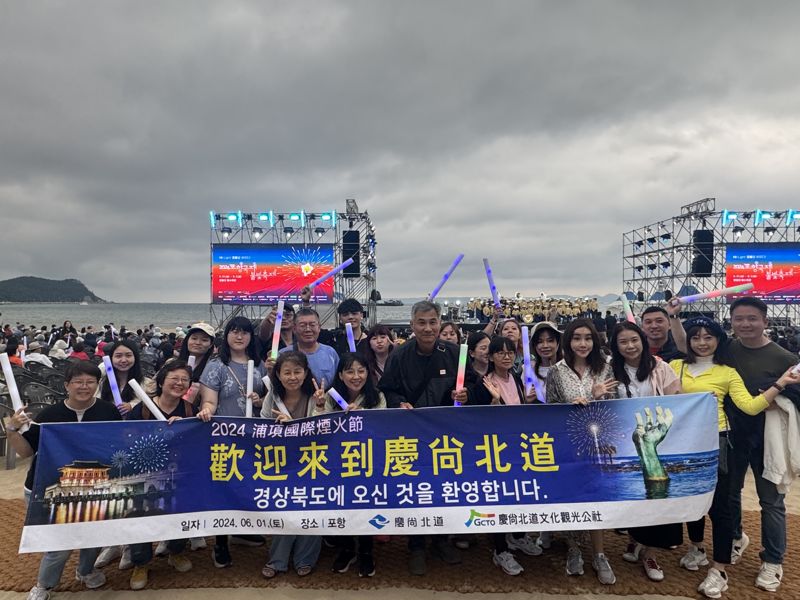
618	463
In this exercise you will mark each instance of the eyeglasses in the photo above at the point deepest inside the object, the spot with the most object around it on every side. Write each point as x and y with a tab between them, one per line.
83	382
505	353
177	380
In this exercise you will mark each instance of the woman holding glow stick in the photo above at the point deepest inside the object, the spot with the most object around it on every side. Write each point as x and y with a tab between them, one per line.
294	395
545	349
223	392
640	375
354	385
199	343
127	367
704	370
583	376
449	332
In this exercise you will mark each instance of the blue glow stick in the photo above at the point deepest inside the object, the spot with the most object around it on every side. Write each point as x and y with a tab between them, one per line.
112	381
338	398
445	277
492	286
330	274
351	340
530	377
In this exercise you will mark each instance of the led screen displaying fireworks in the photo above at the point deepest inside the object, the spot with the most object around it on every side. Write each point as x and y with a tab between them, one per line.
259	274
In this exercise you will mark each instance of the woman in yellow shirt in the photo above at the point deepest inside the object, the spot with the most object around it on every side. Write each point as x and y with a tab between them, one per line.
704	370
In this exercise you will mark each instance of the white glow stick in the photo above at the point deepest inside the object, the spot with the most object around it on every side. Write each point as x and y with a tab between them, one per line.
737	289
462	369
11	384
330	274
192	361
112	381
351	340
248	411
446	276
151	406
492	286
276	331
338	398
626	306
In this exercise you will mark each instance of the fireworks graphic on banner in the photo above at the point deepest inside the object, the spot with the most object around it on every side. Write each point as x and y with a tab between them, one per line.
119	460
149	454
594	430
303	264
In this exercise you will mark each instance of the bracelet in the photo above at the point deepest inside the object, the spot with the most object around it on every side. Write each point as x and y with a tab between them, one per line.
778	387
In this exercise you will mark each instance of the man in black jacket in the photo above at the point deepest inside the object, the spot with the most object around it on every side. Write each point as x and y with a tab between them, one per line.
422	373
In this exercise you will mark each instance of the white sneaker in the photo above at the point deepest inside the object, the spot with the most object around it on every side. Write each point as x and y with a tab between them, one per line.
769	577
161	549
126	562
93	580
714	584
524	544
107	556
694	559
601	566
653	570
507	562
197	543
739	546
39	593
574	561
545	539
632	552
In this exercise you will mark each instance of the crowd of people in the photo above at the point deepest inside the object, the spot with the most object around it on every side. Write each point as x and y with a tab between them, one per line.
748	374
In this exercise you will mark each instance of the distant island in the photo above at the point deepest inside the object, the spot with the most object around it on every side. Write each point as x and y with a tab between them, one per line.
37	289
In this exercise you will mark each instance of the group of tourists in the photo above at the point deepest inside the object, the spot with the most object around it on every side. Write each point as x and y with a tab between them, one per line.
663	356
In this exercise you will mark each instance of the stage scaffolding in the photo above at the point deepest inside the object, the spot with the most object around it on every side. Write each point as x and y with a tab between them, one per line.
657	258
301	227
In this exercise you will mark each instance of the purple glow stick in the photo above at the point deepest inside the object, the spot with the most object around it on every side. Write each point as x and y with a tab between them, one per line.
446	276
492	286
530	377
112	381
330	274
351	340
338	398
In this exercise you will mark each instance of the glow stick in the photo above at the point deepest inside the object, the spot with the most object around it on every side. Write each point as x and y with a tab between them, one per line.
11	384
151	406
626	306
276	331
737	289
445	277
50	340
796	368
69	335
492	286
351	340
330	274
192	361
462	369
338	398
112	381
248	411
526	355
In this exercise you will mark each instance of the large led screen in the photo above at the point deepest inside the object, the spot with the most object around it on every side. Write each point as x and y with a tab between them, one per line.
263	274
774	270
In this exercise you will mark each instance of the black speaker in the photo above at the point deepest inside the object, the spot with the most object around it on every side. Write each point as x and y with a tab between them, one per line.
640	296
703	246
351	246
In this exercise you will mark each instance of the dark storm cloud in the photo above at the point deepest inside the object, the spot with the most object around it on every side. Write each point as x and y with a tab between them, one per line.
533	133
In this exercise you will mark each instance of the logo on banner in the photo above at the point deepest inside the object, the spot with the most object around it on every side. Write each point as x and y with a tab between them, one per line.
379	521
480	519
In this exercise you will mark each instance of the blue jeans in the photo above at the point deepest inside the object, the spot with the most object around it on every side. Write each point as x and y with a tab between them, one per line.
773	509
306	551
52	565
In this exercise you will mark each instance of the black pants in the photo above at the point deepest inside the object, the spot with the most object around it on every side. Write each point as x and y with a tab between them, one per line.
417	542
348	543
499	540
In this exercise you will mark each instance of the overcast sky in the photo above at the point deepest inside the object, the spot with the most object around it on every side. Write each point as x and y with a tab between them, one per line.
532	133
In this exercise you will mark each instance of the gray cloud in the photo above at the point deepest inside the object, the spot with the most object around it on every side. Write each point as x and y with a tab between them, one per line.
533	133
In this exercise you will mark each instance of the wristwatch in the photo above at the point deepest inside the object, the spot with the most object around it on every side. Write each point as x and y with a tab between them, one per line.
673	317
778	386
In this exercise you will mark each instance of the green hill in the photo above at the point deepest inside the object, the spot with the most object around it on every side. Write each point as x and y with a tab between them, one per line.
36	289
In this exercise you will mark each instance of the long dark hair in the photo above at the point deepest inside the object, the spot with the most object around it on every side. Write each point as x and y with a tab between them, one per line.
299	359
347	360
200	365
595	359
472	342
135	372
369	353
537	360
245	325
647	363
